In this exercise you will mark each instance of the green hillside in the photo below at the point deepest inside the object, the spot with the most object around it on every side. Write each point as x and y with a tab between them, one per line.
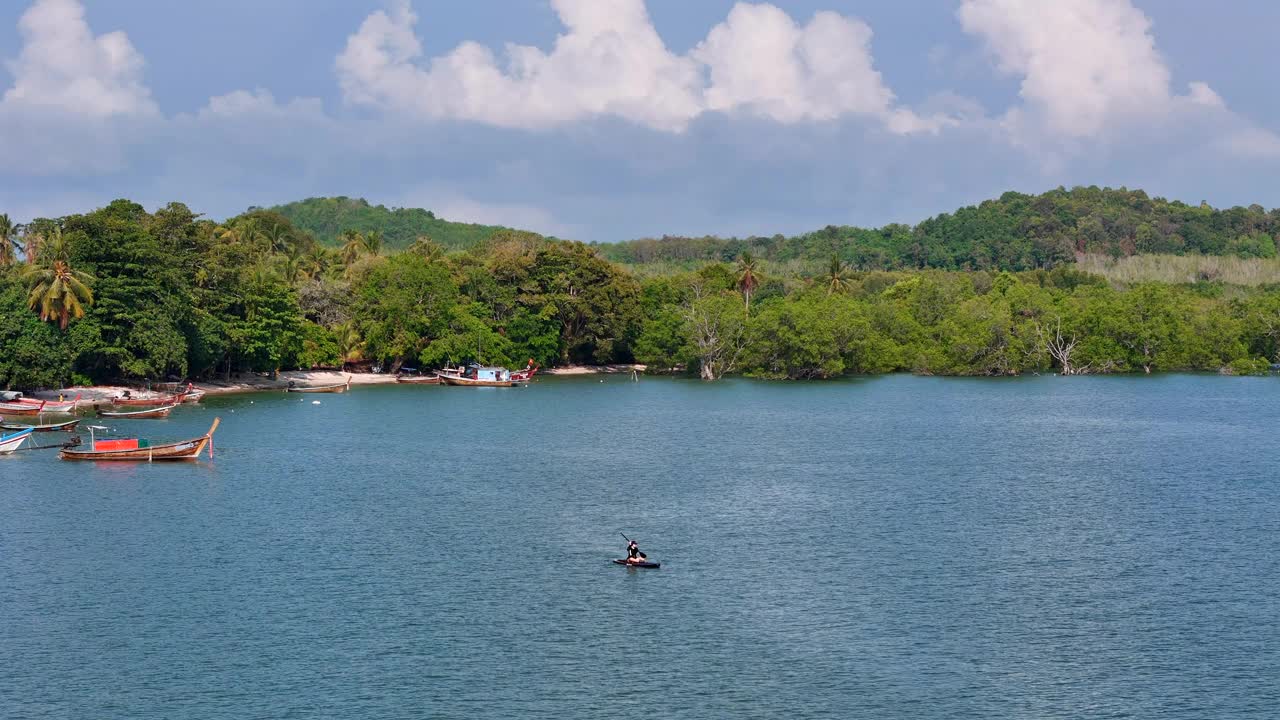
1015	232
328	217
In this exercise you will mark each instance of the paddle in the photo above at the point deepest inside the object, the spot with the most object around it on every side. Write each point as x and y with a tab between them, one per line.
642	555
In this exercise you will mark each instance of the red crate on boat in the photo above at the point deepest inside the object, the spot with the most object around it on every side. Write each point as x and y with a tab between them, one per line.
131	444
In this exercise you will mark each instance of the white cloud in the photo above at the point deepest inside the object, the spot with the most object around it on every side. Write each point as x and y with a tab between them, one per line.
611	61
1091	73
64	67
762	61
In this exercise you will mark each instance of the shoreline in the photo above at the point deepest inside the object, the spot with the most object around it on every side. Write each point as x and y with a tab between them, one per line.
255	383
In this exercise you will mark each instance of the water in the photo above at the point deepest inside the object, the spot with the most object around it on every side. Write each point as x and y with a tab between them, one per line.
892	548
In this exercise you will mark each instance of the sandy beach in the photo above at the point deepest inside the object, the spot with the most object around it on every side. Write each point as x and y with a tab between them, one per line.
246	383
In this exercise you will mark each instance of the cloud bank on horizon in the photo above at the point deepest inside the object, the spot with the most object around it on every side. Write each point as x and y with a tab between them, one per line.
768	123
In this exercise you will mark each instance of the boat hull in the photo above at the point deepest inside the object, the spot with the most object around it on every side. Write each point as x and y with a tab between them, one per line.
425	380
148	402
68	426
138	414
468	382
13	442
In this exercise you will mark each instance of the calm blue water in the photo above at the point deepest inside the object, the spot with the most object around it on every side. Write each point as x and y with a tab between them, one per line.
896	547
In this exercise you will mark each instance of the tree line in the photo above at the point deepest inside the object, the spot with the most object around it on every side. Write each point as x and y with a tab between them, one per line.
122	294
1014	232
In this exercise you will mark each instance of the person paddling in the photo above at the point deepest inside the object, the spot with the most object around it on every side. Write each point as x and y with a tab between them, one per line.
633	552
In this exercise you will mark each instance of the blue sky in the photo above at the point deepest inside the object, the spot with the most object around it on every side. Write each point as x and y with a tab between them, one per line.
612	119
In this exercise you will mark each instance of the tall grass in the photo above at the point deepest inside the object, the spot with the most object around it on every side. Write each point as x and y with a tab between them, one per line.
1178	269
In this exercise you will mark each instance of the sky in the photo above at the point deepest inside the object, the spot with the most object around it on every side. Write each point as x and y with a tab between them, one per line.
603	120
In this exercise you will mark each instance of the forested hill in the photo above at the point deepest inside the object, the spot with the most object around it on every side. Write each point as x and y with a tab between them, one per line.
1015	232
329	217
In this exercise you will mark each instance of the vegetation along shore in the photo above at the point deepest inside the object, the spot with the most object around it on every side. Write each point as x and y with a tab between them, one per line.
1075	281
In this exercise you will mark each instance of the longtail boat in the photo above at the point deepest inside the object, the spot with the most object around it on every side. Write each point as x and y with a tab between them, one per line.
32	406
142	450
9	443
68	426
126	401
192	394
21	409
479	376
340	387
418	379
138	414
528	372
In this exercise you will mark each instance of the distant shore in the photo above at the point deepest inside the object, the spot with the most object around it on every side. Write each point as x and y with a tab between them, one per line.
247	383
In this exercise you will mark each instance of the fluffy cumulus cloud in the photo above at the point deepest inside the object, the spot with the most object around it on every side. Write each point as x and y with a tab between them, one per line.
1089	68
63	66
611	61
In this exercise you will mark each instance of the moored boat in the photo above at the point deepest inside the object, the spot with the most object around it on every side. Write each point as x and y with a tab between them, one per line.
138	414
127	401
139	450
33	406
526	373
418	379
9	443
340	387
68	426
480	376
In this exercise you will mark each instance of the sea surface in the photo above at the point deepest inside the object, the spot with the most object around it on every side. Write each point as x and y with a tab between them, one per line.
893	547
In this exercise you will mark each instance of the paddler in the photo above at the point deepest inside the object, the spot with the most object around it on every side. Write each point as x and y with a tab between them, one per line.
633	552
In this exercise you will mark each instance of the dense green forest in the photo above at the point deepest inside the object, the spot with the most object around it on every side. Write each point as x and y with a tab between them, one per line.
120	293
328	218
1015	232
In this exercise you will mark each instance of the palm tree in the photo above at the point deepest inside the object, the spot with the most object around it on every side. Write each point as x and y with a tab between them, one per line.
748	277
8	241
373	242
837	277
318	260
279	237
352	244
350	344
427	248
57	291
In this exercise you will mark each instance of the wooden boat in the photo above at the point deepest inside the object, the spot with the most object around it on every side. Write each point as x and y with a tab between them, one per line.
138	414
189	392
68	426
479	376
32	406
638	564
9	443
21	409
528	372
126	401
142	450
418	379
340	387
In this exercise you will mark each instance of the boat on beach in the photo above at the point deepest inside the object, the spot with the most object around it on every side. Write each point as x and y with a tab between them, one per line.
338	388
480	376
32	406
139	450
152	413
413	378
68	426
128	401
9	443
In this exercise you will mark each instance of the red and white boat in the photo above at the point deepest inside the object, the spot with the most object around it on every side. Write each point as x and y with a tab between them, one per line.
32	406
528	372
